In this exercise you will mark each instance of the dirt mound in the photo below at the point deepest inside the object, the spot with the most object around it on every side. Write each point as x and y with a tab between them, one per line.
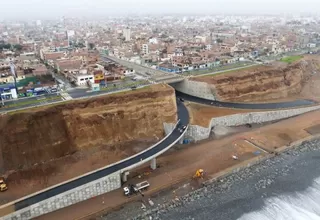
37	136
265	83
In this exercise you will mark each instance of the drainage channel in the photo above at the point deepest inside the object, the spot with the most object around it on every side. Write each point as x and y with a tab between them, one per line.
256	146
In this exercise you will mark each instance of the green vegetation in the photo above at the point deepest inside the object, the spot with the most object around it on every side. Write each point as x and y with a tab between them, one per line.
26	81
124	86
217	69
290	59
227	71
30	102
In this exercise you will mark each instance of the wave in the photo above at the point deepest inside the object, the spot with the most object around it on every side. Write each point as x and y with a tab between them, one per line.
304	205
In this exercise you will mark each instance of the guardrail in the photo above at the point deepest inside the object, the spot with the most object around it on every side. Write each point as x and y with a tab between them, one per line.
150	158
74	99
13	203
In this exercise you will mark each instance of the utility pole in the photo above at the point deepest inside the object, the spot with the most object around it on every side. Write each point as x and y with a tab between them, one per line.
13	72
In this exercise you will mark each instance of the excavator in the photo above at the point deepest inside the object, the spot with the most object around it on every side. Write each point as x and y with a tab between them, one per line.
3	185
199	174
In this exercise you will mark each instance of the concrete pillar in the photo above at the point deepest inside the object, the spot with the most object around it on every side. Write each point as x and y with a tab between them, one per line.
153	164
181	140
125	176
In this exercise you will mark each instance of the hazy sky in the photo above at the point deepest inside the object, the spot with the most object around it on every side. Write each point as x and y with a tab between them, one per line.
34	9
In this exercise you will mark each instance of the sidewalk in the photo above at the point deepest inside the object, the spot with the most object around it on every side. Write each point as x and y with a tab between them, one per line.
180	165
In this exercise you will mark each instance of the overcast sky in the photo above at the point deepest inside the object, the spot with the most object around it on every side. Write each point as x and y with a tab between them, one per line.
34	9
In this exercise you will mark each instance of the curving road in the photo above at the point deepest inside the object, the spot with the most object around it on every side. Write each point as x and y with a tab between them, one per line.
292	104
183	116
122	165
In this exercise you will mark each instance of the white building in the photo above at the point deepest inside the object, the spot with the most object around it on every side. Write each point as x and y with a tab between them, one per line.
38	23
81	78
153	40
127	34
144	49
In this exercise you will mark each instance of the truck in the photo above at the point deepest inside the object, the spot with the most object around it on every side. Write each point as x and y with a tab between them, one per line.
3	185
135	188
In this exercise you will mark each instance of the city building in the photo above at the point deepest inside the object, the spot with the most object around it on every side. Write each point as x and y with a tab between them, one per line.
127	34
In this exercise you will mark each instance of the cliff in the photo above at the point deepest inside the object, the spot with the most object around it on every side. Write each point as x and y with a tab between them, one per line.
41	135
263	83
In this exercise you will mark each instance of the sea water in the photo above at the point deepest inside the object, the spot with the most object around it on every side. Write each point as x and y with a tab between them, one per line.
304	205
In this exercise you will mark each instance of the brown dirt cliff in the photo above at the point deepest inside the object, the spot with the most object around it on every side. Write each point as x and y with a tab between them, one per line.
40	135
263	83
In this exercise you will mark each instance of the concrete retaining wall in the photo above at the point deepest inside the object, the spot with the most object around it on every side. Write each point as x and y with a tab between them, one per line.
194	88
259	117
81	193
197	133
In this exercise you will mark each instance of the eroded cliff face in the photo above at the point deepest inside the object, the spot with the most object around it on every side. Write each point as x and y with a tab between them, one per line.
33	137
263	83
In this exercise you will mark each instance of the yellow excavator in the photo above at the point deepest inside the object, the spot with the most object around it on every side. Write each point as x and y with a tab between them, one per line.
3	185
199	174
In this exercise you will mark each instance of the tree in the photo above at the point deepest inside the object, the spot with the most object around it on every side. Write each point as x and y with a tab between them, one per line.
219	40
91	46
5	46
17	47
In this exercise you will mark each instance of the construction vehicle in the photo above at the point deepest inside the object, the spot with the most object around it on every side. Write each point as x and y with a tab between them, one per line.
3	185
199	174
137	188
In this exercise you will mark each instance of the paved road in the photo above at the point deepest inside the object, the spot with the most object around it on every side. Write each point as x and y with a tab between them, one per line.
42	101
225	70
297	103
183	115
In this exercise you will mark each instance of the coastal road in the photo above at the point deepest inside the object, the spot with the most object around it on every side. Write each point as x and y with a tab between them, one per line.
284	187
279	105
183	115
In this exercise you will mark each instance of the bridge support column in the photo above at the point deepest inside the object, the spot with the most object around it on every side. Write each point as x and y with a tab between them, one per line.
181	140
124	176
153	164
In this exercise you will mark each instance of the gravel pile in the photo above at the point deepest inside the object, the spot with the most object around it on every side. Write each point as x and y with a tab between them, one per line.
276	166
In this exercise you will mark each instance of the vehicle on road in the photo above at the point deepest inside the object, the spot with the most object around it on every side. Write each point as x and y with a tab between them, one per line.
182	128
3	185
181	99
133	87
131	188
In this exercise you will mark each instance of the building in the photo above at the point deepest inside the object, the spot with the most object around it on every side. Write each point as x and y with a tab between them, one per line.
81	78
8	91
127	34
144	49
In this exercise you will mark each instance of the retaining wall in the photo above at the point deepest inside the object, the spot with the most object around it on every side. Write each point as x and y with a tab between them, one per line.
197	133
81	193
194	88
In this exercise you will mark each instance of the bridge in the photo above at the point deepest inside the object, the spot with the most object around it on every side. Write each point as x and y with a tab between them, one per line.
94	183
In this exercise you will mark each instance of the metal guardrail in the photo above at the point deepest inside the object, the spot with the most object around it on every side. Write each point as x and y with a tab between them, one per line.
139	162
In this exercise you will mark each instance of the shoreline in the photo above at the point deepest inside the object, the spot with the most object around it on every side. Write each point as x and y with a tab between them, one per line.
220	180
178	165
215	178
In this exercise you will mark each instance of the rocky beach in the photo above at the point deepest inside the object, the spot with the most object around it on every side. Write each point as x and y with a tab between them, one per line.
286	186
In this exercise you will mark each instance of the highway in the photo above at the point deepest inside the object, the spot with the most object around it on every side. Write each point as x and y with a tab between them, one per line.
183	115
279	105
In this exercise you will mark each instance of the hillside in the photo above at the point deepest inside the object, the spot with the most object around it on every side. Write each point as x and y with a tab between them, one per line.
42	143
267	83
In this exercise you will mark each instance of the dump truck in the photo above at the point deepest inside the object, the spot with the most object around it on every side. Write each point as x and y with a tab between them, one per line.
3	185
131	188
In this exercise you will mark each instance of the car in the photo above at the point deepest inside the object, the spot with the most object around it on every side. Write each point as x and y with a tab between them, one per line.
181	99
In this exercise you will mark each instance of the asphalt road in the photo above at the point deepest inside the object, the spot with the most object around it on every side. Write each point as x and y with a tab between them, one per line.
183	115
297	103
42	101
